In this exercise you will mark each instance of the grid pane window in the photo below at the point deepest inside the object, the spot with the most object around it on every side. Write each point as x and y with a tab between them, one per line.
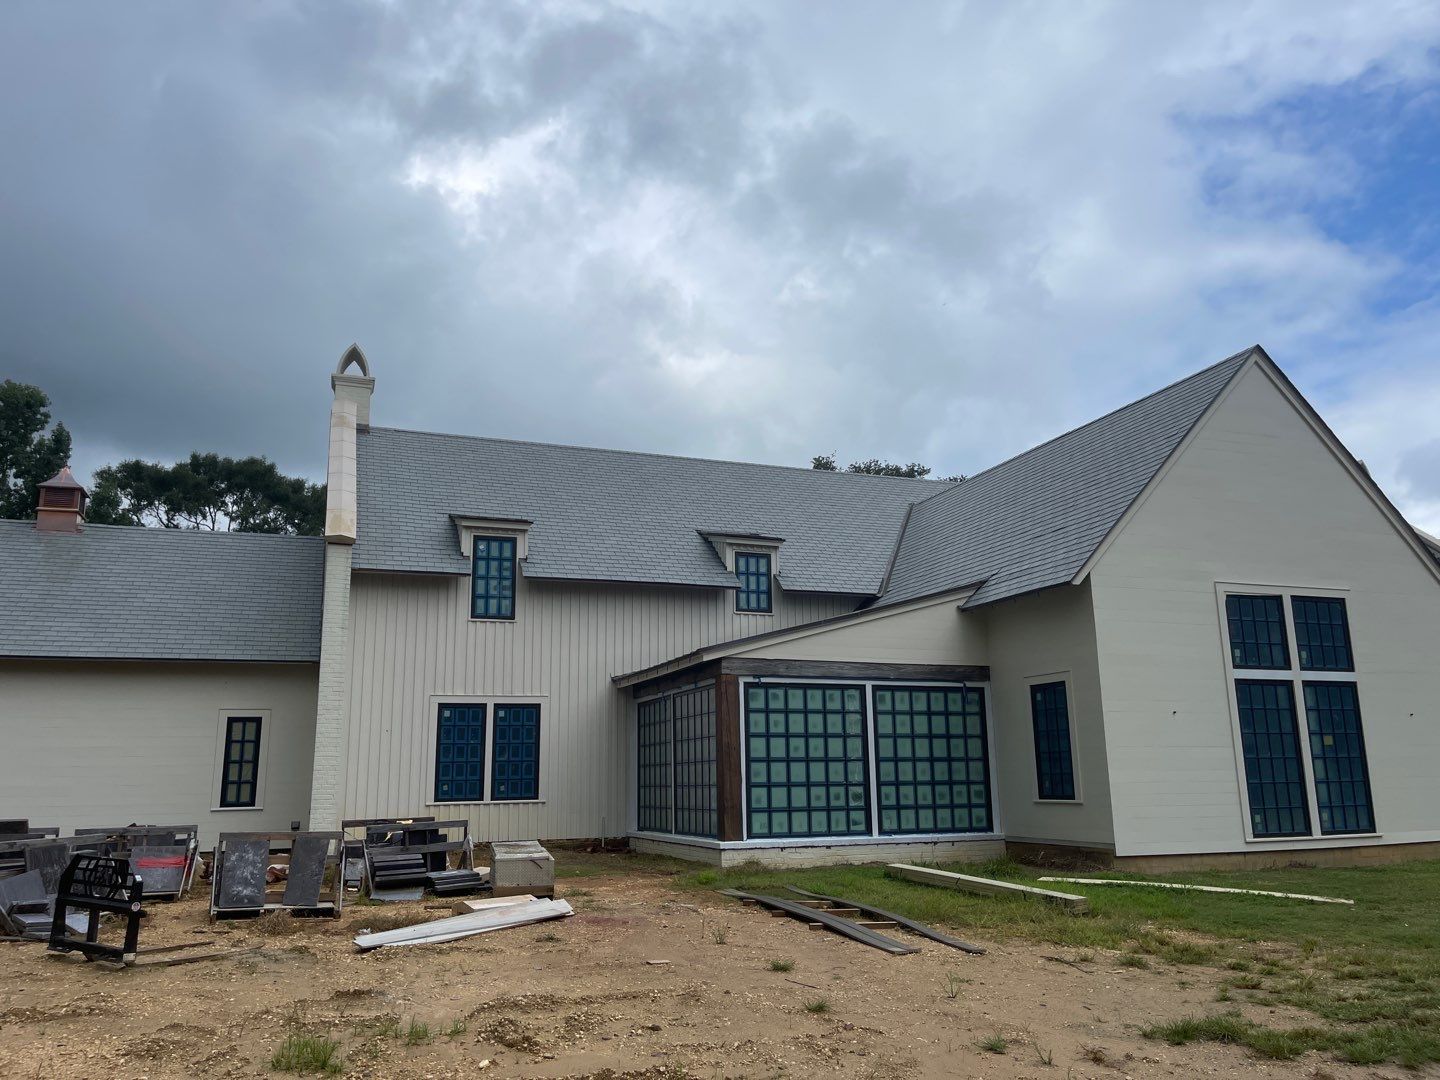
242	761
1050	714
653	772
1337	754
1274	775
1322	634
1257	632
460	754
516	768
694	724
805	761
932	770
493	578
753	570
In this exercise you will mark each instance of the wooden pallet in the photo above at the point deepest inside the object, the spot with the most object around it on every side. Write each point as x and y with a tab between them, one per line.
825	915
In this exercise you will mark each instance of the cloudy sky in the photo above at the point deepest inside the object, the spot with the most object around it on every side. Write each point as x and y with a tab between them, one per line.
936	232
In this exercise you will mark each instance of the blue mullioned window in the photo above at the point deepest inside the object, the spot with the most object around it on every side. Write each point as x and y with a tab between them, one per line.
242	761
1322	634
493	578
653	773
1050	715
931	766
753	570
460	754
516	762
1257	632
693	712
805	761
1270	744
1337	755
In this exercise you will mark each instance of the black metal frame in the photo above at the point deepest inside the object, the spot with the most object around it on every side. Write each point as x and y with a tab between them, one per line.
95	886
1050	720
496	781
1305	649
476	559
1238	621
969	694
1256	752
1325	713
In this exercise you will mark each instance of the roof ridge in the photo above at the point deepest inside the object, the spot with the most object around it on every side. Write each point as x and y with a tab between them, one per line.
1243	353
944	484
89	526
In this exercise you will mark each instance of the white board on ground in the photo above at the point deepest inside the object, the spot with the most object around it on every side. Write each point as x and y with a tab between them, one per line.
985	886
464	907
460	926
1204	888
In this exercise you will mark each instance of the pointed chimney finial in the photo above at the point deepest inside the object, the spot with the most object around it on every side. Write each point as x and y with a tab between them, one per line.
354	355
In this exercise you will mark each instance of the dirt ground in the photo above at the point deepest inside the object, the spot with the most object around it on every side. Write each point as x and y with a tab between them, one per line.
644	981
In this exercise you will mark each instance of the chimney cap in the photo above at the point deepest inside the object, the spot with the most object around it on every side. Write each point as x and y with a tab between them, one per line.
63	479
354	355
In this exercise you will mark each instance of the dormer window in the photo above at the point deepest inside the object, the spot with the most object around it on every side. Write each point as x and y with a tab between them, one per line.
752	568
493	578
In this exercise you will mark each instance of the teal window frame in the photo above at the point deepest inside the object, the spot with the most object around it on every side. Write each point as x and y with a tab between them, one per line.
806	743
460	730
755	595
240	763
1344	801
925	738
1054	760
1276	785
515	753
1322	633
492	577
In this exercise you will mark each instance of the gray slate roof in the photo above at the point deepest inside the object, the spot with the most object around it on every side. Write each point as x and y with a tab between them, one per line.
1033	521
613	515
160	594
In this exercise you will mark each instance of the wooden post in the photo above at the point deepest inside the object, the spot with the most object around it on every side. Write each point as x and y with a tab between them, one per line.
729	798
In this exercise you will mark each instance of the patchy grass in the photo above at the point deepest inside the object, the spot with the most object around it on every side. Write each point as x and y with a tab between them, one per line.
819	1005
995	1044
417	1033
1410	1045
1376	964
782	965
307	1054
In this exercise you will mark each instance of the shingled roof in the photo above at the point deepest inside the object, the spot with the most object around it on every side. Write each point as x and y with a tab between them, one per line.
1033	521
614	515
113	592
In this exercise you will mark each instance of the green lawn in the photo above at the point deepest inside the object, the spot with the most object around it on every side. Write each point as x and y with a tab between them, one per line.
1370	975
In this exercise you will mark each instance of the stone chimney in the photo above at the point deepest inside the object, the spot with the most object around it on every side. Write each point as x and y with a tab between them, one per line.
61	505
349	413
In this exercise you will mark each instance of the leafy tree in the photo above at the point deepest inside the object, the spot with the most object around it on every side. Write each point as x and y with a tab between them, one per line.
207	492
876	467
28	454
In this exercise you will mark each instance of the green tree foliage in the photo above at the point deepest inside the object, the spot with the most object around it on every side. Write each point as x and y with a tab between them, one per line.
207	492
876	467
29	455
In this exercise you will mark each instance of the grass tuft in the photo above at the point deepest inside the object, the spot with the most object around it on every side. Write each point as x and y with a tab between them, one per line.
995	1044
818	1005
782	965
307	1054
417	1034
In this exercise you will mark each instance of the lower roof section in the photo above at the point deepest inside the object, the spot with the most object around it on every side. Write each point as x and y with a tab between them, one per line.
839	670
129	593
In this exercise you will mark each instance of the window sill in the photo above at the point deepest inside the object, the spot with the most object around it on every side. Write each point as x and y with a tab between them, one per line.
234	809
1311	840
492	619
490	802
762	614
1058	802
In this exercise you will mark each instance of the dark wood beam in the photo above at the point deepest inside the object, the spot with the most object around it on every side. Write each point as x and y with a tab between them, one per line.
729	798
845	669
679	680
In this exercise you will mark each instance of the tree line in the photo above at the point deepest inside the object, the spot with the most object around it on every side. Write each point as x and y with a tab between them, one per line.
205	491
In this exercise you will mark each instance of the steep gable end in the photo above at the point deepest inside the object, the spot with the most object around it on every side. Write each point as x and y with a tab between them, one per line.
1034	521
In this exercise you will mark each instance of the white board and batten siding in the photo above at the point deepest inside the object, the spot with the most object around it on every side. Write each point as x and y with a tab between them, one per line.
413	645
140	741
1256	500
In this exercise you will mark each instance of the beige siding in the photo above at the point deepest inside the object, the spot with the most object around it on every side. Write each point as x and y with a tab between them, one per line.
412	644
935	633
1256	499
1048	637
97	743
